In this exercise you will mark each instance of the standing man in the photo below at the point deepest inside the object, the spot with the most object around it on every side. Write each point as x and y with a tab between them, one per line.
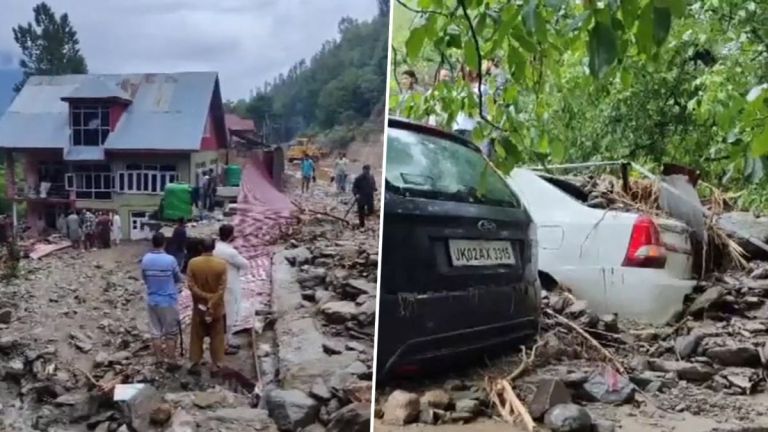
161	276
211	190
177	247
340	172
103	230
307	172
236	264
364	188
89	229
204	191
207	281
117	228
74	233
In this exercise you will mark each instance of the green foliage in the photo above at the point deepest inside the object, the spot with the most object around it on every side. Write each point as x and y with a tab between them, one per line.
648	80
49	45
342	85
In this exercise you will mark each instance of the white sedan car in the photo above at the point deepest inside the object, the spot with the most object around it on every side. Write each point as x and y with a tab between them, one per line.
619	262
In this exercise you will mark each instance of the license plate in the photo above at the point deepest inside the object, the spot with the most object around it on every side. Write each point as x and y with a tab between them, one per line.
480	252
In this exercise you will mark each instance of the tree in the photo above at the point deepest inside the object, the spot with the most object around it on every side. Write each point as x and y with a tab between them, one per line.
648	80
49	45
383	7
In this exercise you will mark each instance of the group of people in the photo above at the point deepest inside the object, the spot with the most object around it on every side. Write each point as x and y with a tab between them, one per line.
204	195
213	279
363	187
87	230
465	122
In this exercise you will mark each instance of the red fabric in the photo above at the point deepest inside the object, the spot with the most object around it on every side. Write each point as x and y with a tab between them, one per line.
261	211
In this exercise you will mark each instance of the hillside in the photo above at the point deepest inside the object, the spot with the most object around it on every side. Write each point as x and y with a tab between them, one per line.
338	94
8	77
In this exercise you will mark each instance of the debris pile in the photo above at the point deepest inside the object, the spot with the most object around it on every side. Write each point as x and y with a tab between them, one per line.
700	364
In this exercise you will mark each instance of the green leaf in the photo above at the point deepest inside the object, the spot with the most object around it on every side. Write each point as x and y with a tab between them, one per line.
415	43
453	36
557	150
677	7
662	23
629	9
516	63
645	30
471	56
533	20
603	49
759	145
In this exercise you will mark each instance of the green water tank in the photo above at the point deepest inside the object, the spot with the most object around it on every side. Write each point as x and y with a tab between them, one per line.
232	175
177	201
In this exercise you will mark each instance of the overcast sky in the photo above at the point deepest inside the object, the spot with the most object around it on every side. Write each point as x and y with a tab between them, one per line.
246	41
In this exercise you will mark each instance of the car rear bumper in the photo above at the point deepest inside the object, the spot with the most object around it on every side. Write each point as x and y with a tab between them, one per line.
649	295
416	329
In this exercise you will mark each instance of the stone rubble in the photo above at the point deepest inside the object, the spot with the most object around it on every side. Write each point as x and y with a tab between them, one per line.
703	364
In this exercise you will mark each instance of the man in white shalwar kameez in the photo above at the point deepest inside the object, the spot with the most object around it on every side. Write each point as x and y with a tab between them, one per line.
233	294
117	228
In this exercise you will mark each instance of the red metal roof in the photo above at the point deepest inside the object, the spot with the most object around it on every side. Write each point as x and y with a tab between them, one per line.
235	122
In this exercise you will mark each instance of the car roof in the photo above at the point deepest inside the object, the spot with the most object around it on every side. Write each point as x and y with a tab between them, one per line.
425	129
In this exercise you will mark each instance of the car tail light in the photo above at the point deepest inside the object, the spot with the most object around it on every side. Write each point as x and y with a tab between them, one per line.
645	248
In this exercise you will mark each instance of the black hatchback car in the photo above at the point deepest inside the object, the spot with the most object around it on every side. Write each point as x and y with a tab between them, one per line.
459	259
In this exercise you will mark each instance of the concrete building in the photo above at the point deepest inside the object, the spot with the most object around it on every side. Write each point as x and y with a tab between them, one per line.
109	142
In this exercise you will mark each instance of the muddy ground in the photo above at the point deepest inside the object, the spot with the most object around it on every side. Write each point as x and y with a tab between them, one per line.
74	324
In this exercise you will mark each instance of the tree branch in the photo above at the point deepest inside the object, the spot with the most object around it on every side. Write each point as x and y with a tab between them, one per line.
476	41
420	11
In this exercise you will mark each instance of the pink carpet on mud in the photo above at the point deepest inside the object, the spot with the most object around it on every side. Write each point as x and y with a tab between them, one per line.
261	211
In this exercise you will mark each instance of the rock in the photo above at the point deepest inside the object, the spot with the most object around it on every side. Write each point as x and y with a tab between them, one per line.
357	369
78	406
352	418
737	356
610	323
429	416
357	287
744	379
332	348
696	372
568	418
338	312
6	316
469	406
685	346
576	309
740	226
456	385
120	357
101	359
206	400
137	402
161	414
705	300
438	399
182	422
549	392
401	408
355	346
320	391
8	343
236	420
608	386
315	427
291	409
366	313
603	426
761	273
313	277
14	369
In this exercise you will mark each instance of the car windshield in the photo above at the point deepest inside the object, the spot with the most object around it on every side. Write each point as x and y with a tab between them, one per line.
425	166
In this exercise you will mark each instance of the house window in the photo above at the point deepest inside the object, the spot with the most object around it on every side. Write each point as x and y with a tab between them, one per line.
90	182
89	124
145	178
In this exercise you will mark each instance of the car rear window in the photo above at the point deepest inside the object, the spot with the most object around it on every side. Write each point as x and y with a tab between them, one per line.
426	166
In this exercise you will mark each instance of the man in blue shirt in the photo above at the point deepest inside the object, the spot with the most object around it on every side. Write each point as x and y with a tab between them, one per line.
307	172
161	275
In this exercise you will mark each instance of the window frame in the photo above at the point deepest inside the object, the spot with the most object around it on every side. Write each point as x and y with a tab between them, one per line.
79	129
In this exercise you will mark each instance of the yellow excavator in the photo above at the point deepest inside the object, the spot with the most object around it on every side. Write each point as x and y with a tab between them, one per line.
302	146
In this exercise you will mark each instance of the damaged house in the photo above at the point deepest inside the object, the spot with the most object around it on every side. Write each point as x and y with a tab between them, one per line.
109	142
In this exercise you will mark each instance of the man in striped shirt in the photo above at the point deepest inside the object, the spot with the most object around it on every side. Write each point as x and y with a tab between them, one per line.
161	275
